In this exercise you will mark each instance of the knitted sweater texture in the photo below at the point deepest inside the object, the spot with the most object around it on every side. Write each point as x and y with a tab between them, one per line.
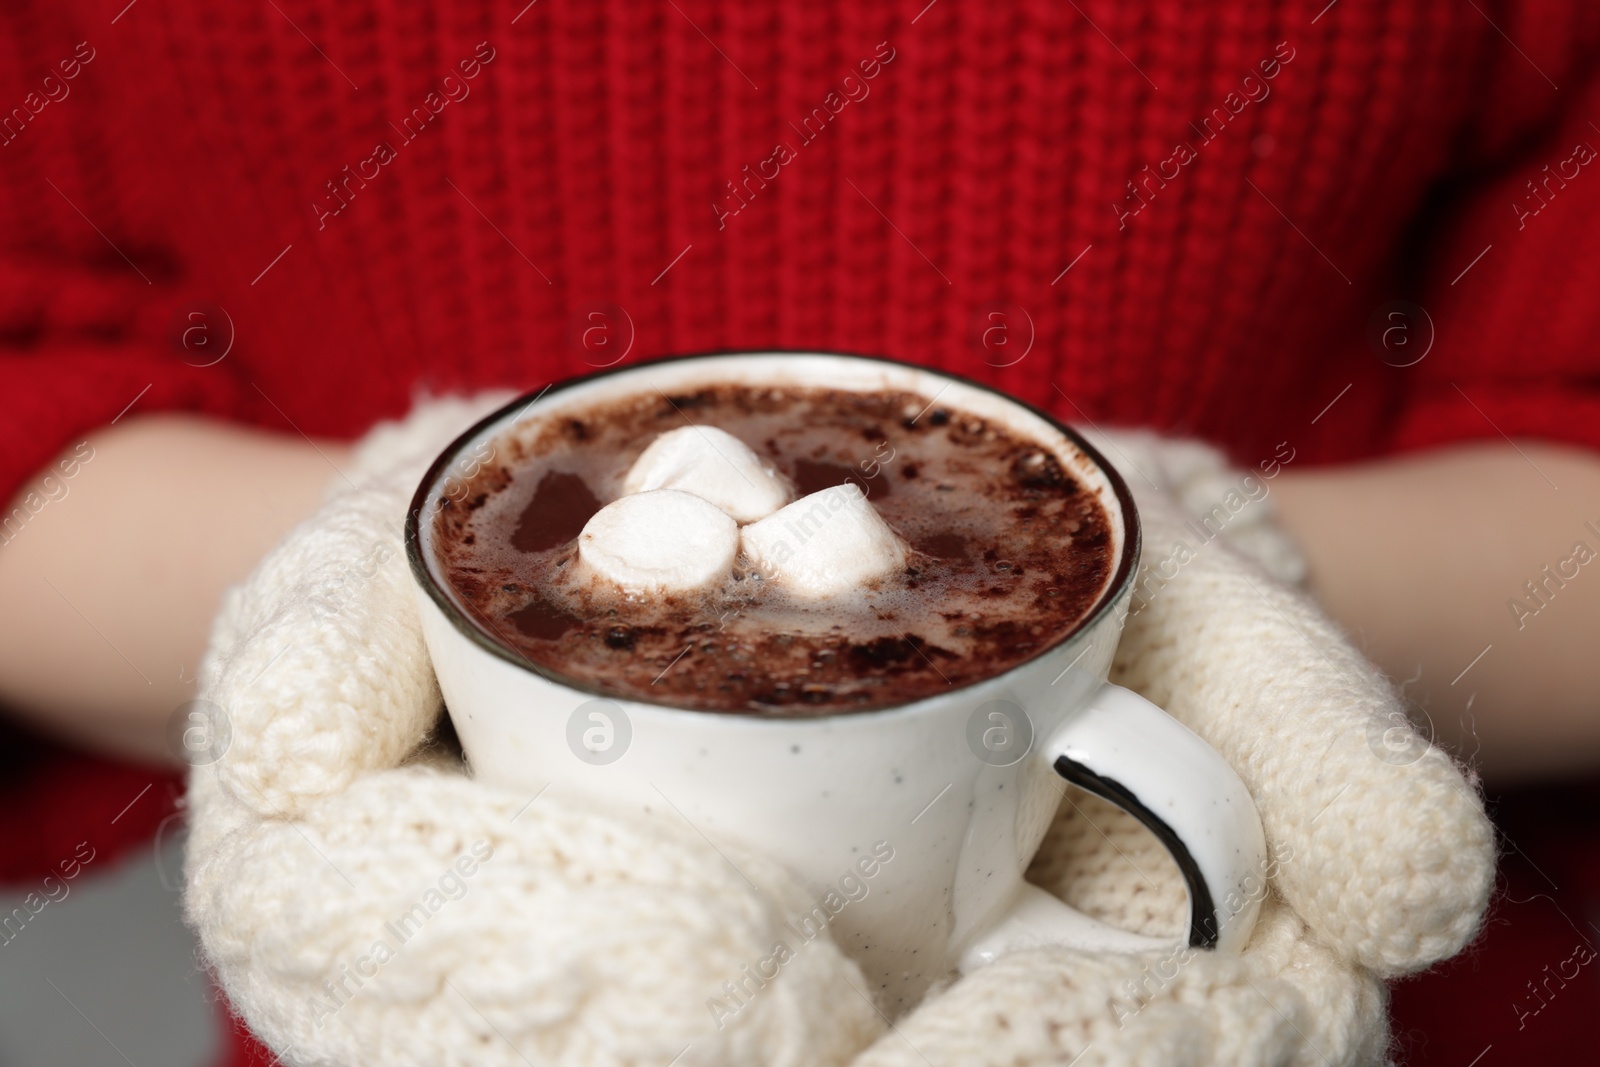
1186	216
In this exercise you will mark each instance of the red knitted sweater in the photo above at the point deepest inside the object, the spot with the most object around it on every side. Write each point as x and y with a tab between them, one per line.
1196	217
1193	212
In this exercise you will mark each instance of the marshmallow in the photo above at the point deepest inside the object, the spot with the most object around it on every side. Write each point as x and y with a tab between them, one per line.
661	541
714	465
824	544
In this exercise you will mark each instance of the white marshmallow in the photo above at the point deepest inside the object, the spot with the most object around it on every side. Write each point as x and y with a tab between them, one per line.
712	464
824	544
661	541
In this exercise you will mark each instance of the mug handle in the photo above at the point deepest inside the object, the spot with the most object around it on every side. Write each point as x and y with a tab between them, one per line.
1126	750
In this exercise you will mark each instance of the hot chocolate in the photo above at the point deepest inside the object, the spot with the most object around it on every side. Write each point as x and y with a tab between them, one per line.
992	552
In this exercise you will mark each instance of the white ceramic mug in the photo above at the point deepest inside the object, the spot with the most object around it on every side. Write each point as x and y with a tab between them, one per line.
912	825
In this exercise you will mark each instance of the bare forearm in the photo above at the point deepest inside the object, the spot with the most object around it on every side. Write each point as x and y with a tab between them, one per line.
110	587
1423	559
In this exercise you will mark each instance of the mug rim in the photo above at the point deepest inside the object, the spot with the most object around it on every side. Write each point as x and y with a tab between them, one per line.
1120	581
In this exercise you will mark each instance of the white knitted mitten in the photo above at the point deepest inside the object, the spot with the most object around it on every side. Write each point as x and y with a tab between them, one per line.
362	901
1382	856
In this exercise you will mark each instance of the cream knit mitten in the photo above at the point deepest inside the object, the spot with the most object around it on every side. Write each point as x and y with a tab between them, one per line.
1382	857
361	900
